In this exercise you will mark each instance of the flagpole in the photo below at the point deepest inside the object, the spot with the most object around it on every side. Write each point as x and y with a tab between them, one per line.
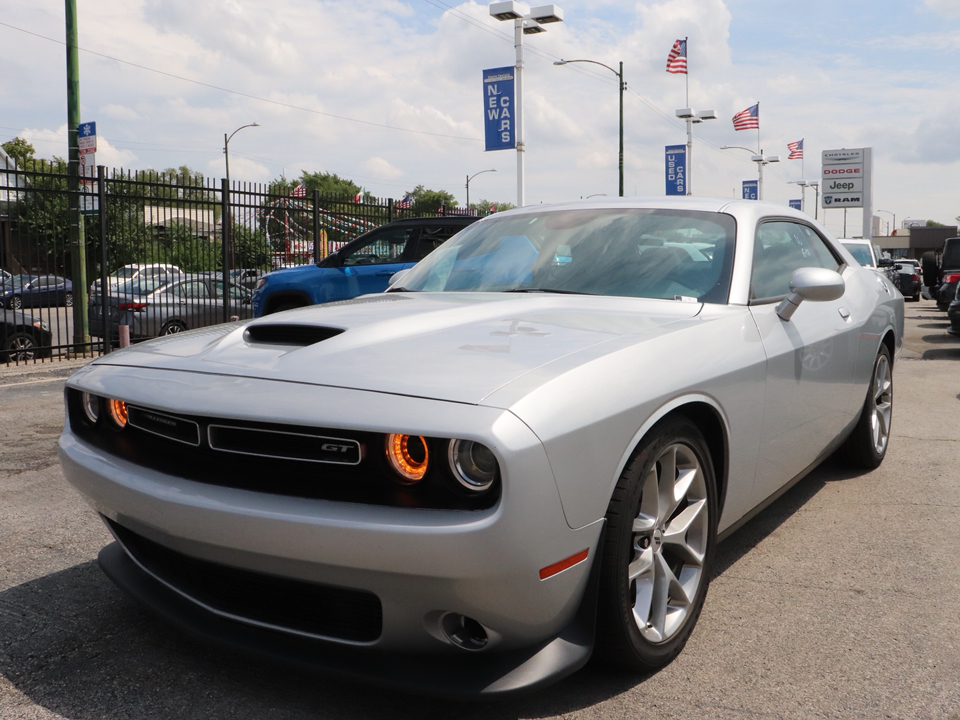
686	79
759	152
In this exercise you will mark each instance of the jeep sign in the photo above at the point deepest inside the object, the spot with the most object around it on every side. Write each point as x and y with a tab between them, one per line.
847	182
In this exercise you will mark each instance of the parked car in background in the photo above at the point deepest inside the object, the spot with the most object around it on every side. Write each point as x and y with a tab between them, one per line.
135	272
23	337
523	454
949	273
364	265
4	277
868	255
909	271
152	307
36	291
246	277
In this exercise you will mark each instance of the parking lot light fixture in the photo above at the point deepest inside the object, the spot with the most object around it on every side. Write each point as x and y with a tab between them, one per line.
760	159
524	23
471	177
623	86
693	117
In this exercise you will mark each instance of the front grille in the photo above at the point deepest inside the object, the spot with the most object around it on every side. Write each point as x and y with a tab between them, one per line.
324	611
294	460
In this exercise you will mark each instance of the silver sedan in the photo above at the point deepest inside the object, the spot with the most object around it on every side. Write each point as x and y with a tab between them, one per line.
524	453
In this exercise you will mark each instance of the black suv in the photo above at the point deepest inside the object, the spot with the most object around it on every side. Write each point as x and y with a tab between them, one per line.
949	272
362	266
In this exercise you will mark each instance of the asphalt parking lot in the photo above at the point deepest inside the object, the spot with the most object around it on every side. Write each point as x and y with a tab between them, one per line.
839	601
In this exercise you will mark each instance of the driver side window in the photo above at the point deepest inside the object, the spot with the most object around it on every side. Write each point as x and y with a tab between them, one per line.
780	248
381	248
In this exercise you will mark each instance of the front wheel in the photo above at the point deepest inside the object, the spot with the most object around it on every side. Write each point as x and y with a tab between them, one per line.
15	303
867	445
20	347
172	327
68	299
658	548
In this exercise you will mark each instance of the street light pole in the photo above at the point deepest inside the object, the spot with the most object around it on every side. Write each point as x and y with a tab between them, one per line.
623	86
692	117
523	24
471	177
891	214
760	159
227	221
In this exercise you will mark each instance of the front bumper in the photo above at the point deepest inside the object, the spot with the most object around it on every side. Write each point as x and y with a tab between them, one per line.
420	563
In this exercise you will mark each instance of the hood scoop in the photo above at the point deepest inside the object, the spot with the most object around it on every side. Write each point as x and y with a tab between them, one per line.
289	334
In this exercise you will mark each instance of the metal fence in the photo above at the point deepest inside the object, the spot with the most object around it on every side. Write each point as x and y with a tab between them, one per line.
141	229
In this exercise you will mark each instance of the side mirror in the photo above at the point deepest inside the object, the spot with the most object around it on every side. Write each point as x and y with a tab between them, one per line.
397	277
885	262
813	284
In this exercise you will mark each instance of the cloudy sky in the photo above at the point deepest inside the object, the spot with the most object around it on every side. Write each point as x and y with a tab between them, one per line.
388	92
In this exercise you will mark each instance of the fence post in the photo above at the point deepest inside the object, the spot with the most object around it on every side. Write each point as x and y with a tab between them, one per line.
319	249
227	233
104	285
389	209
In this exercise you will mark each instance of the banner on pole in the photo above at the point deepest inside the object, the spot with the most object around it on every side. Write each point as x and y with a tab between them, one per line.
676	169
500	129
797	204
751	189
87	146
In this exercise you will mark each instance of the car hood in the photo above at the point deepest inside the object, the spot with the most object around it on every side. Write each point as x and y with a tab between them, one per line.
459	347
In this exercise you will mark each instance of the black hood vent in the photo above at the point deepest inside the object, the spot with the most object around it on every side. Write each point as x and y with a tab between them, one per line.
289	334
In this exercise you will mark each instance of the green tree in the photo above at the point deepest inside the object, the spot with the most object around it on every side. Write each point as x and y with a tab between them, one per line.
428	202
933	223
485	207
21	151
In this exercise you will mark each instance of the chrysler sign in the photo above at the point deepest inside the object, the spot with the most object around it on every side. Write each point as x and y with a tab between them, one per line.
847	182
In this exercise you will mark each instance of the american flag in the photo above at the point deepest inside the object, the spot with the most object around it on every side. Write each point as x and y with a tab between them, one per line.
796	150
677	59
359	197
748	119
299	191
405	203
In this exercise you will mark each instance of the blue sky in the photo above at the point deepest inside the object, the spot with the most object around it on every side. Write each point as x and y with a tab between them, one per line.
323	77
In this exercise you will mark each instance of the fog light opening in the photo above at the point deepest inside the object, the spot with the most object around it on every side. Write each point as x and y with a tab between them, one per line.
464	632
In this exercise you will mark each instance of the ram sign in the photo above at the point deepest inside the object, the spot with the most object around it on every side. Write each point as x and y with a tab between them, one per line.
847	182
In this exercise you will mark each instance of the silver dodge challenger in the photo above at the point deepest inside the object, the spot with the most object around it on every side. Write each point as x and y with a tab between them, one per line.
524	452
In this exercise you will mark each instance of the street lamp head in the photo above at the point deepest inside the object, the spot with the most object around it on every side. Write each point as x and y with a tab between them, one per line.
509	10
773	158
544	14
707	115
758	158
532	27
560	62
685	113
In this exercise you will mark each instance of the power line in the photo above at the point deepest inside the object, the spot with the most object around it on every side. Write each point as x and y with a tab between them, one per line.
243	94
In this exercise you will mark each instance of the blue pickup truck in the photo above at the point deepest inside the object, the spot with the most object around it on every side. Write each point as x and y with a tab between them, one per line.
364	265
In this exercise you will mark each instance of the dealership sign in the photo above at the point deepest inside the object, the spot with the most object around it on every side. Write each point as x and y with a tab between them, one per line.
676	169
751	189
847	181
499	121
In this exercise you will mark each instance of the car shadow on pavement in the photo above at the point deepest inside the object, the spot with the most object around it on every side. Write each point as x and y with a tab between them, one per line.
72	643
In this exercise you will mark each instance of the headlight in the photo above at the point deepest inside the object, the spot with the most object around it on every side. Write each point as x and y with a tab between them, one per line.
473	464
40	324
118	412
408	456
261	283
91	406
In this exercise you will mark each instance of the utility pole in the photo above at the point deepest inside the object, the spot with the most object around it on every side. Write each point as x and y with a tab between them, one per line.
78	251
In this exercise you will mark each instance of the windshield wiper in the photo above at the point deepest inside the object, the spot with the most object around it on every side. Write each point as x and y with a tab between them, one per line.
548	290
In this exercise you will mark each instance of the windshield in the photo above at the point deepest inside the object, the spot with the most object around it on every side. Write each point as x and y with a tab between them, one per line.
124	273
626	252
861	253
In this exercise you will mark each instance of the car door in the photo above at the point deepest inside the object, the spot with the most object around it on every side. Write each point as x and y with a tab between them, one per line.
368	266
810	358
432	237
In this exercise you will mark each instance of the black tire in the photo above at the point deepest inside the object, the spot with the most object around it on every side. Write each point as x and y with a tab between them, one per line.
172	327
68	299
635	632
930	269
867	445
20	347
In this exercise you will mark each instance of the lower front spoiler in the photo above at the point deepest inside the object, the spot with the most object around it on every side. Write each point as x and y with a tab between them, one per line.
465	675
